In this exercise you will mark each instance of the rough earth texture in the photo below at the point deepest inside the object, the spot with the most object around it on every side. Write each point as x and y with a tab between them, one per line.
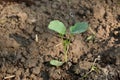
24	58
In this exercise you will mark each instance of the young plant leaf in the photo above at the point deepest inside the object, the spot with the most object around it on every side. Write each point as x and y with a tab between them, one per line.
79	27
57	26
56	63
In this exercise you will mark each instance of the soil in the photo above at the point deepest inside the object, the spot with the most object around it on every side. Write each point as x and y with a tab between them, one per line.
22	57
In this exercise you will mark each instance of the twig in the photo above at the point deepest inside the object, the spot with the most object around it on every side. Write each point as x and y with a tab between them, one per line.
98	58
58	45
8	77
36	38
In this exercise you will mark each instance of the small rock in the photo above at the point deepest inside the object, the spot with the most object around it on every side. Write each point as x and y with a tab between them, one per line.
54	6
33	77
24	79
75	60
55	74
17	78
23	59
18	56
89	55
31	63
23	16
31	21
11	70
18	73
11	43
116	33
29	29
38	3
109	2
81	12
99	11
38	29
27	72
36	70
88	12
117	54
85	65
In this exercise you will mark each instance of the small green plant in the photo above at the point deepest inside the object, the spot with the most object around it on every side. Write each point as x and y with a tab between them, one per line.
56	63
93	68
60	28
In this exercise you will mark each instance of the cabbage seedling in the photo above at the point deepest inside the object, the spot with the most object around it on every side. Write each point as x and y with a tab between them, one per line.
60	28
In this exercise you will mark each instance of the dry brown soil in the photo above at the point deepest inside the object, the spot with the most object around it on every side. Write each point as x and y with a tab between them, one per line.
22	58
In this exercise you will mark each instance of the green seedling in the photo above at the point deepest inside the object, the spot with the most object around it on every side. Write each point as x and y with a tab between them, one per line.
60	28
56	63
66	43
93	68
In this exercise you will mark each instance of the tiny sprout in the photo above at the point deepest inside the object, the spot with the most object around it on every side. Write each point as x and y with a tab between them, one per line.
60	28
56	63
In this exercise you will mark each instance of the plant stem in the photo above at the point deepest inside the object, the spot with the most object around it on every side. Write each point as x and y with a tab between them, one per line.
66	53
66	48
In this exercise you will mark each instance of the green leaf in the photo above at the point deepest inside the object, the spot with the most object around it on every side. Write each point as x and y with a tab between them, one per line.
57	26
79	27
56	63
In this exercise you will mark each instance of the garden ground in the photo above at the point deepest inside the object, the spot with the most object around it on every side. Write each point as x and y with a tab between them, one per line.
22	57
